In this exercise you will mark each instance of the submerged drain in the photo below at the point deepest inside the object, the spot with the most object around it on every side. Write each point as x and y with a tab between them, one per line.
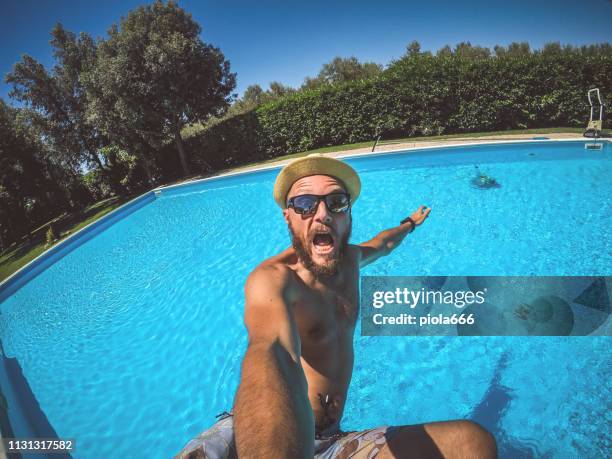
483	181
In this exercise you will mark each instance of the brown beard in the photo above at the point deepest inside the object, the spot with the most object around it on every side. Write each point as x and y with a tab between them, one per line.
319	271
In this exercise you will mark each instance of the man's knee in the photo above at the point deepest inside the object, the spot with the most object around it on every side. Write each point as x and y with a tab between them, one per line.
475	440
462	439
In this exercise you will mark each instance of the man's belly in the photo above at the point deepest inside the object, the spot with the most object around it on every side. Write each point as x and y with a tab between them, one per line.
327	394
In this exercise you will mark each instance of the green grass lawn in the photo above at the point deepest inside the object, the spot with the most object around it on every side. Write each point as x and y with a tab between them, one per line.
17	256
471	135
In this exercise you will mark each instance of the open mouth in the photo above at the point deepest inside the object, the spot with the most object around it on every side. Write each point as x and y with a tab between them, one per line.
323	243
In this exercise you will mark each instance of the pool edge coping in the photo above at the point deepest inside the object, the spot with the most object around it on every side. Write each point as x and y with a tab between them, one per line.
5	285
349	155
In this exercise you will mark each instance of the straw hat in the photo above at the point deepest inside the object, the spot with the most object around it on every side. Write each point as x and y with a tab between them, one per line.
315	164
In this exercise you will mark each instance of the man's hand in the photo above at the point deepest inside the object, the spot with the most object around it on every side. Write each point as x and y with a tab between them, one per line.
385	242
417	218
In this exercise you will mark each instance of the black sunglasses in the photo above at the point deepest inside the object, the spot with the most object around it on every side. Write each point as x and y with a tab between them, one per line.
305	204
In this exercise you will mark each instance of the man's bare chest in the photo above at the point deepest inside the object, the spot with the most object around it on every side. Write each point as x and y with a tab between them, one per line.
326	315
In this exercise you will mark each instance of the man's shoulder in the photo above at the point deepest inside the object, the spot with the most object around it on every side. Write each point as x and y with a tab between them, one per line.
269	284
270	273
276	265
271	267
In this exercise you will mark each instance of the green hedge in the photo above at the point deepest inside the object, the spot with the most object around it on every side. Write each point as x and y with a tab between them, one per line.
417	95
228	142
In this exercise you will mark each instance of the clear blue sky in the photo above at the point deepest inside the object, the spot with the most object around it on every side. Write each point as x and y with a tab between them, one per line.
286	41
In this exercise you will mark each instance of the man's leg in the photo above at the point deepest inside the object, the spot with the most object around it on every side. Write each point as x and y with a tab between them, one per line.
448	440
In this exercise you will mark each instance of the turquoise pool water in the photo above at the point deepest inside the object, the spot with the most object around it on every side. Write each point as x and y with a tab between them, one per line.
132	342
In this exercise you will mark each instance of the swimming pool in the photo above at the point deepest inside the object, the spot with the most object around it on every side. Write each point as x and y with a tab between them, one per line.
132	342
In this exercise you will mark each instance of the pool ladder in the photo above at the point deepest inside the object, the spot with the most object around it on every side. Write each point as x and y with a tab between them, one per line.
595	126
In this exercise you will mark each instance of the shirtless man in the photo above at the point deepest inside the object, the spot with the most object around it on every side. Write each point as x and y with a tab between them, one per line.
301	310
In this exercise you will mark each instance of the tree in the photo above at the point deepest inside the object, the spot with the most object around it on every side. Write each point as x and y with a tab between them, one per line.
445	51
122	176
253	95
552	49
413	51
413	48
519	49
278	90
154	75
347	69
57	100
343	69
600	49
30	187
465	50
312	83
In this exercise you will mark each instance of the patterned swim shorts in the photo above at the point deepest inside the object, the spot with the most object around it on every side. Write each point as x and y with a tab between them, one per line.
218	443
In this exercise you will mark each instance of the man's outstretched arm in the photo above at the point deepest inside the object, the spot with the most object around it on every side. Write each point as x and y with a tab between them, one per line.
386	241
272	413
